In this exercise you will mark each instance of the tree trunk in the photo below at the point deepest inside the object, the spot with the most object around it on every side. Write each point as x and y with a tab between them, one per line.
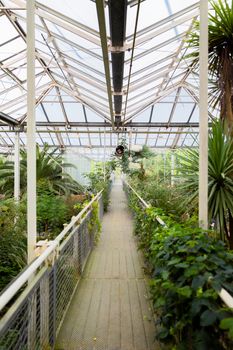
230	232
226	112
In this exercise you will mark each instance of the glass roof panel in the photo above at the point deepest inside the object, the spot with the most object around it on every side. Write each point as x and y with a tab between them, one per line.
71	8
10	33
69	57
11	48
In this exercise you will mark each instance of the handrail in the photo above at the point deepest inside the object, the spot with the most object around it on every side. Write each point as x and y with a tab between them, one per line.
226	298
223	294
146	205
13	288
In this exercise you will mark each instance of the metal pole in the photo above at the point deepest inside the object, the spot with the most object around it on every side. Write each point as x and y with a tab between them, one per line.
104	155
164	167
172	168
203	116
31	132
16	168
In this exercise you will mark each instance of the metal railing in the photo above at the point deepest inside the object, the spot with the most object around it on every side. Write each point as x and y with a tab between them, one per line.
40	296
141	200
223	294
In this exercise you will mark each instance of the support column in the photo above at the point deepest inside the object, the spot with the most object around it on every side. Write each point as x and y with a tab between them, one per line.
203	116
104	154
164	167
172	168
31	132
16	168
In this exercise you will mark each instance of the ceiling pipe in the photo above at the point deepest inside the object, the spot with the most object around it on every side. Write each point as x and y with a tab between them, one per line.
8	120
117	22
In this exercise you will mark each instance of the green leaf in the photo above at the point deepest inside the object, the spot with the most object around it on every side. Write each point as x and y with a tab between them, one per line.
227	323
198	282
185	291
208	318
174	261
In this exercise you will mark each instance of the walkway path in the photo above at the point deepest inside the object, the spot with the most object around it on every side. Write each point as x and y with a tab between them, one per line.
110	310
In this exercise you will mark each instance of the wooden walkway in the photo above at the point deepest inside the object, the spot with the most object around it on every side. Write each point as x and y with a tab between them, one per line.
110	310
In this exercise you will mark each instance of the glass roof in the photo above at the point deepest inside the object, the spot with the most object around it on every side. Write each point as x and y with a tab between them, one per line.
75	99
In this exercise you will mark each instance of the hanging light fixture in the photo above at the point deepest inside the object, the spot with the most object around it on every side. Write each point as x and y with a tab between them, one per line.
119	151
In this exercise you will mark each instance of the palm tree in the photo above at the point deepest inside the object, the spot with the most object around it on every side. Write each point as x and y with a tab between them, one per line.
50	173
220	56
220	179
6	177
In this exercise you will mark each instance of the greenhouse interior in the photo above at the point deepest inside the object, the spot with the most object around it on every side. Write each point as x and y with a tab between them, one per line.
116	175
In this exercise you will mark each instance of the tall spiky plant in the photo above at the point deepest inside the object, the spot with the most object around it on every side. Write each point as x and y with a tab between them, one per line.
220	179
50	173
220	56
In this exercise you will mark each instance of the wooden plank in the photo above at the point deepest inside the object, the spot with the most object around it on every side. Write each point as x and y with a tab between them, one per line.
148	320
74	323
114	329
103	316
139	334
127	340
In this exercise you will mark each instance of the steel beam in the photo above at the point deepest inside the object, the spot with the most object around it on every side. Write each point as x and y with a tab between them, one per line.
203	116
104	44
17	168
165	21
31	133
120	131
8	120
162	29
105	124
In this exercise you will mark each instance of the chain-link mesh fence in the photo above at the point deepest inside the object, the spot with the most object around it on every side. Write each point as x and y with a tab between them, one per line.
33	320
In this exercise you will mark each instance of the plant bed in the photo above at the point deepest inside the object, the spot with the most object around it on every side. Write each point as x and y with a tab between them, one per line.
188	267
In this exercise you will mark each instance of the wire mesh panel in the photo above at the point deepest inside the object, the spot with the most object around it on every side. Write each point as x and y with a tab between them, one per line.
32	322
27	326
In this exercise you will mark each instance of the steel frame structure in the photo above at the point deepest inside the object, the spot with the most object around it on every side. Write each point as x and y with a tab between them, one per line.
82	76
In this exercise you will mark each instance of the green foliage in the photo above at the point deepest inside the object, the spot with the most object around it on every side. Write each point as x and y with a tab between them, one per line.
220	55
13	242
220	181
227	323
52	213
94	225
50	174
98	182
188	268
130	156
160	195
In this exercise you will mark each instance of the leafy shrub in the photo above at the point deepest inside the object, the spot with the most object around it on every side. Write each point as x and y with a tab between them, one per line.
188	267
52	213
161	195
97	183
13	243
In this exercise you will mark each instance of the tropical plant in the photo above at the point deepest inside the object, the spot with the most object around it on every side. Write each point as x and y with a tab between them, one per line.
220	179
160	194
52	213
6	175
13	241
188	268
220	55
50	173
100	181
131	156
